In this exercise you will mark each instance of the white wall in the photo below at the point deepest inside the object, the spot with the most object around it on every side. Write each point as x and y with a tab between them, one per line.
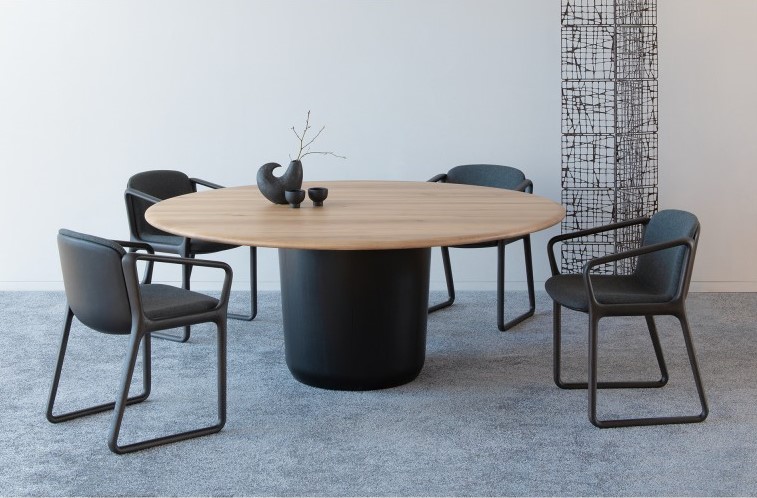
92	92
708	132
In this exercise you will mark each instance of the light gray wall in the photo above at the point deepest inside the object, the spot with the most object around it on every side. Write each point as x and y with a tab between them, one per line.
92	92
708	132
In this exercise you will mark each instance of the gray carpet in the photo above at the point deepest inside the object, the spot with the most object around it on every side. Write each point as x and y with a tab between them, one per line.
483	418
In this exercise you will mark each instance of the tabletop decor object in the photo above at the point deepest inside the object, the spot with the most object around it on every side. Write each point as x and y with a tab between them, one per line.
295	197
318	195
272	187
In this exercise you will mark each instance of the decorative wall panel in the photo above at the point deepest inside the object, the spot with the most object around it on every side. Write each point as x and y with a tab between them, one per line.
609	124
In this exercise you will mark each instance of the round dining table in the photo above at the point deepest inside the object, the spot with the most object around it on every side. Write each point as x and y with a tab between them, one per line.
355	271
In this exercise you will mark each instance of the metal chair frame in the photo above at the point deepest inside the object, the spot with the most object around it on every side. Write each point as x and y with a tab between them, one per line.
141	330
675	307
525	186
183	250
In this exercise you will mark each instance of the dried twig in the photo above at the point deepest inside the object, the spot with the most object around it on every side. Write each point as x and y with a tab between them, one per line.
305	146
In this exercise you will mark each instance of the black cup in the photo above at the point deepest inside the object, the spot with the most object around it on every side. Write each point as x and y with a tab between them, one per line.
294	197
318	195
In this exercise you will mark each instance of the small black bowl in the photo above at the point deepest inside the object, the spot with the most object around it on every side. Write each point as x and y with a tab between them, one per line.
294	197
318	195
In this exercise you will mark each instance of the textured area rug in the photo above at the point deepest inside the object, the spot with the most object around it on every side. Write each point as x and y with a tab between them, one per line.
483	417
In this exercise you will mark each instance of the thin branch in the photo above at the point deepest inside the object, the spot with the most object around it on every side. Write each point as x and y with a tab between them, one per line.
316	136
305	147
324	153
302	138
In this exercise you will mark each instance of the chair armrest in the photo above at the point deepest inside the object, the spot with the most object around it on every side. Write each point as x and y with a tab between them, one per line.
181	261
583	233
205	183
135	245
605	228
141	195
525	186
129	264
441	177
684	241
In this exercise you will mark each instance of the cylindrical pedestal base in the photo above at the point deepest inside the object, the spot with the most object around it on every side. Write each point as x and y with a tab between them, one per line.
355	320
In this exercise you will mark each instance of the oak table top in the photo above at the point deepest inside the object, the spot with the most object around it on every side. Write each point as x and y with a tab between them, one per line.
359	215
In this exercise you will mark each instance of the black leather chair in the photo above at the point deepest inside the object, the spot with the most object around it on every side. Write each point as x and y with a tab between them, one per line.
103	292
658	286
505	177
149	187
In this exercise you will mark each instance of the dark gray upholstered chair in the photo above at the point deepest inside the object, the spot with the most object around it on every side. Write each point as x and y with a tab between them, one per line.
658	286
149	187
104	293
505	177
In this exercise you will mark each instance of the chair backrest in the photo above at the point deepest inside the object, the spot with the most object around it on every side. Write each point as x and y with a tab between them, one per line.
662	270
160	183
486	175
94	281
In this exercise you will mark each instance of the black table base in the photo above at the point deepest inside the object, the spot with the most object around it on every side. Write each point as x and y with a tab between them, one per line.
355	320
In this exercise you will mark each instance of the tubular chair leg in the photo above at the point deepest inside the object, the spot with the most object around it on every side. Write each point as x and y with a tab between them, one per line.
691	352
186	274
121	402
557	360
556	350
529	274
501	325
253	289
450	283
657	351
628	422
146	379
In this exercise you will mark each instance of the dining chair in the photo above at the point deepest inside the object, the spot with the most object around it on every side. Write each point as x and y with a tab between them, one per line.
658	286
150	187
504	177
103	292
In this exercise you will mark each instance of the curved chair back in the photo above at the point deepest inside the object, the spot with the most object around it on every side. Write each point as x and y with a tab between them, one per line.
160	183
662	270
94	281
486	175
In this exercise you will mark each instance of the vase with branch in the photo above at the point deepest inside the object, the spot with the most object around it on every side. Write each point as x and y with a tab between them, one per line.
274	187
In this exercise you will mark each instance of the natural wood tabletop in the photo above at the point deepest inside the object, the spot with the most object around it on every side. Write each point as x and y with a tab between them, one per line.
359	215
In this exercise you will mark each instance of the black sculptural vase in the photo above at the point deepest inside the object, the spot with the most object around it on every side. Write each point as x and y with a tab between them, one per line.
273	187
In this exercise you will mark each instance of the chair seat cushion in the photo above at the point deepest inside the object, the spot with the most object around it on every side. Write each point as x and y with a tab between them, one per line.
196	246
570	291
165	301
